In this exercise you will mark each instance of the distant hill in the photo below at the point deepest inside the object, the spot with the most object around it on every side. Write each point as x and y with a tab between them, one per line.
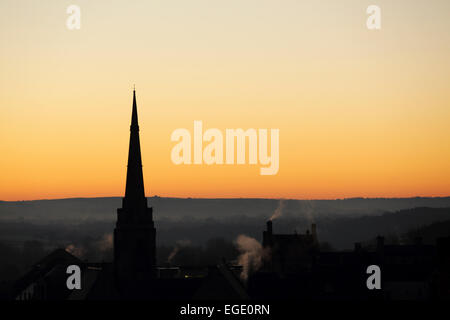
343	232
86	209
339	222
430	233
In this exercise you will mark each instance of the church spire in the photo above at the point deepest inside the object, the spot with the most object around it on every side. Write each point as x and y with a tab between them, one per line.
134	201
135	233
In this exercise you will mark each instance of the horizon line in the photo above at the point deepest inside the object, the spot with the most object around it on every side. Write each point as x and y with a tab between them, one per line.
238	198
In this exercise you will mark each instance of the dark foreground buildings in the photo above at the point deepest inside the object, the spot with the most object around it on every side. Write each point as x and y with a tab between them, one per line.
296	268
293	265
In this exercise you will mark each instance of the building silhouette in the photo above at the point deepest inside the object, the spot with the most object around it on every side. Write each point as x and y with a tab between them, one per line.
296	268
135	233
287	253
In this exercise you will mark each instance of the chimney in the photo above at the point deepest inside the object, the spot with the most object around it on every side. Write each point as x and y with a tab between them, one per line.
267	235
269	227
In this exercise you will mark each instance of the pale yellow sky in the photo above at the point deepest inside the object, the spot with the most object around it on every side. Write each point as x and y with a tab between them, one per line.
360	112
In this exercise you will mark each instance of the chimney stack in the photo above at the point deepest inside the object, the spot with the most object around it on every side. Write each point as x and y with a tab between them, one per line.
269	227
267	235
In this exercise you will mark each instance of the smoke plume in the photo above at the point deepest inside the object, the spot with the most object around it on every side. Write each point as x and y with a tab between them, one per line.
78	252
278	211
178	245
92	249
105	243
251	255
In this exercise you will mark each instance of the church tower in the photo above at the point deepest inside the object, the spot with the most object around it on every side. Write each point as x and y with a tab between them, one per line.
135	233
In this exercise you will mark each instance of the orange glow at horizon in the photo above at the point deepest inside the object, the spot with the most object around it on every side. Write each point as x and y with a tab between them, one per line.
361	113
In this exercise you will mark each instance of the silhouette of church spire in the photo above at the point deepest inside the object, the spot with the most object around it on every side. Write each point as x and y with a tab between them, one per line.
134	201
135	233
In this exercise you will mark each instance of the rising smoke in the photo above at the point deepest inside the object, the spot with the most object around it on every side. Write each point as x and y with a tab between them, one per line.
88	249
279	210
251	255
105	243
178	245
77	251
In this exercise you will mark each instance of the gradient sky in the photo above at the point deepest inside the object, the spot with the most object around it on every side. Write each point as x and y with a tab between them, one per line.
361	113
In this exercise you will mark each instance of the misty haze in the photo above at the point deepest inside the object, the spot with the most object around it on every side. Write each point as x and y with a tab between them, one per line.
205	230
